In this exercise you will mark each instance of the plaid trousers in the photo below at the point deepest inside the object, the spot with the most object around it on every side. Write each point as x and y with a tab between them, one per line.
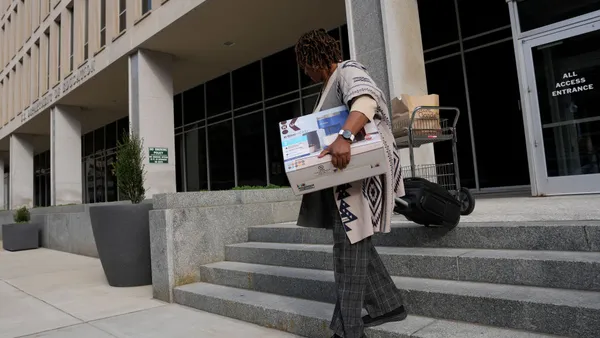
361	281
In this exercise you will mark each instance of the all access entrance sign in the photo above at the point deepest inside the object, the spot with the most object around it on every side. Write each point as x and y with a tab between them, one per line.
158	155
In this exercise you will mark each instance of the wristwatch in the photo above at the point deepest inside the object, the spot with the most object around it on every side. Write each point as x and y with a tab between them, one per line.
347	135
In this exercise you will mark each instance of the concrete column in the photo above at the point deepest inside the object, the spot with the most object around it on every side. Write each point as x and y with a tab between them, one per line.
21	172
65	156
385	36
151	115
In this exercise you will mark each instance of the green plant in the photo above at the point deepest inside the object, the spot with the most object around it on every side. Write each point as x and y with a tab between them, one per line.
129	168
257	187
22	215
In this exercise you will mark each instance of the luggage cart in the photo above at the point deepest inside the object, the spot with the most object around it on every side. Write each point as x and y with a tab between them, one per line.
424	130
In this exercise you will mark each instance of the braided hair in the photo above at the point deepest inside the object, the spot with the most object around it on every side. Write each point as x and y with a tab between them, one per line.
317	50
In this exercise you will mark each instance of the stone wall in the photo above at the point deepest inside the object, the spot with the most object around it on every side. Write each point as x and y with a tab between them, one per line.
188	230
64	228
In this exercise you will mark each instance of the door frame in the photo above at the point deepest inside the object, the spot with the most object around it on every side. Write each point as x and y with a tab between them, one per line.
552	185
523	41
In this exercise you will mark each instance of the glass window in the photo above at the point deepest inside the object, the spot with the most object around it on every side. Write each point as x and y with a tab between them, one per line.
111	179
434	14
89	170
179	162
220	148
193	105
280	73
122	15
100	178
72	38
111	135
123	127
490	113
178	110
99	140
477	16
567	73
538	13
195	160
274	116
102	23
218	95
308	104
247	86
89	143
146	6
445	78
345	43
250	150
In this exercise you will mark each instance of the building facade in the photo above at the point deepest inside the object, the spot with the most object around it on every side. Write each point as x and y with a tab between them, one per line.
208	84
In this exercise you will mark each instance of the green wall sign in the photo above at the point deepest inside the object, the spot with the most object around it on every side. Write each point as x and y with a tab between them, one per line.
158	155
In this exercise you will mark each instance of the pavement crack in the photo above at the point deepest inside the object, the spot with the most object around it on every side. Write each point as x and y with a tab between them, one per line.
43	301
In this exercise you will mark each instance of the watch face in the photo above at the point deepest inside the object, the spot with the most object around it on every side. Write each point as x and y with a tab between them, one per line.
347	134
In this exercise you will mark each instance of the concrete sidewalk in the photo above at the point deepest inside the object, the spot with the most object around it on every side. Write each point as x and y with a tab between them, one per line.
46	293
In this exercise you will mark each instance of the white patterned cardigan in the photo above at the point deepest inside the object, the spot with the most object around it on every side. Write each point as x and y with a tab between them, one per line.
366	206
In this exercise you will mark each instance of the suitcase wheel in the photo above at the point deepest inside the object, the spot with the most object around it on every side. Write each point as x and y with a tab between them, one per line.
467	201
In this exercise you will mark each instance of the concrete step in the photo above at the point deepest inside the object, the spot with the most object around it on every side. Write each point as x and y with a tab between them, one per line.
311	318
554	311
555	269
555	236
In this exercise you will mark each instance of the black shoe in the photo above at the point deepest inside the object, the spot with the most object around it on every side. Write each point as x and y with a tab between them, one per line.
394	316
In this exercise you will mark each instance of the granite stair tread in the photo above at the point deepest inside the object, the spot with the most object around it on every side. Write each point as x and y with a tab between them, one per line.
311	318
553	269
561	297
529	235
544	255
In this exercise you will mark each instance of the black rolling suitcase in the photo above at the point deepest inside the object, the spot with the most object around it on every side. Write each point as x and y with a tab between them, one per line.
428	204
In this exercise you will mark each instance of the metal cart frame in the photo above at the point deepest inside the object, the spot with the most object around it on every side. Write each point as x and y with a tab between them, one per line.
434	129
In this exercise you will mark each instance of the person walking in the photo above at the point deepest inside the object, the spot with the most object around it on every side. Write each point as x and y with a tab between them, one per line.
357	210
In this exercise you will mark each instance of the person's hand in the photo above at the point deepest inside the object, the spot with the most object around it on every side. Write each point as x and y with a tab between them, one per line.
339	151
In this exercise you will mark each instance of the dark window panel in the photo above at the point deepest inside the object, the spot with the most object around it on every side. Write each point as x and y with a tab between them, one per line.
36	191
282	99
308	104
502	34
218	95
195	160
249	109
193	105
123	127
489	114
89	179
478	16
89	144
100	179
434	14
345	43
274	116
247	86
99	140
537	13
179	162
445	78
43	190
178	110
82	146
250	145
111	179
220	147
111	135
280	73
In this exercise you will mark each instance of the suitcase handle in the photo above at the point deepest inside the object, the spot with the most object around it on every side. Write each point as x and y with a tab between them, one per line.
401	201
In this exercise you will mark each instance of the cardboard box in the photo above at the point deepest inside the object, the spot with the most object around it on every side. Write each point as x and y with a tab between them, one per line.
304	138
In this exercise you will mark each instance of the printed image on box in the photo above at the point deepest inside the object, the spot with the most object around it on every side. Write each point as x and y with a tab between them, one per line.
304	138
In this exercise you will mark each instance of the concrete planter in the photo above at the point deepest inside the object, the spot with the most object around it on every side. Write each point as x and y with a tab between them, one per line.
122	238
23	236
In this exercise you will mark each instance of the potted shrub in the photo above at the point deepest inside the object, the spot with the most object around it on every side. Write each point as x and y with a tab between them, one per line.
122	231
22	235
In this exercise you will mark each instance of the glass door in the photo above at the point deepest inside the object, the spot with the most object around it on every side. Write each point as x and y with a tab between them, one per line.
563	74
